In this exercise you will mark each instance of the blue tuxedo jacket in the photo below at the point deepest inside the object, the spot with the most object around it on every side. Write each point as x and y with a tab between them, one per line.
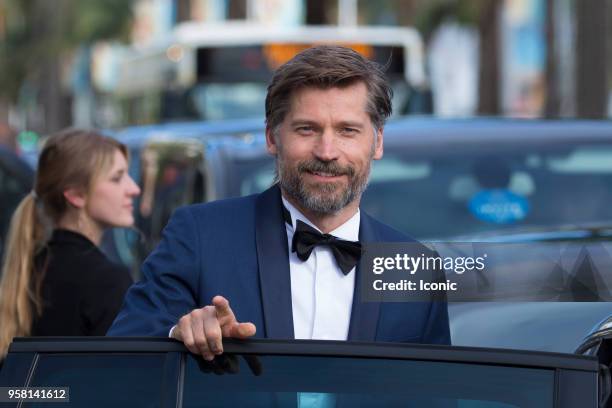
237	248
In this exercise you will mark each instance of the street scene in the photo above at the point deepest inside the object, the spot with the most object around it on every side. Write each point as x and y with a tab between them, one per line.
254	188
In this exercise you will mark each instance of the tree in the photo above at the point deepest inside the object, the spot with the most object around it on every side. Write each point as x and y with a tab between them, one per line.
489	68
552	107
591	58
39	36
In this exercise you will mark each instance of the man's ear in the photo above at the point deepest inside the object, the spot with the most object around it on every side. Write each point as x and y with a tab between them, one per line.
75	197
378	151
271	145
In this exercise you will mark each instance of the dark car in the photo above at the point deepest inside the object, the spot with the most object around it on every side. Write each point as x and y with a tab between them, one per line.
166	161
441	179
139	372
16	180
492	180
539	183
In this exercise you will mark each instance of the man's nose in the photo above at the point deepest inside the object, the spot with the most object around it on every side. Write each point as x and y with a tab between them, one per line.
326	148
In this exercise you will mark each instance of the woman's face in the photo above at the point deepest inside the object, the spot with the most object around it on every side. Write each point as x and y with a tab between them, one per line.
110	202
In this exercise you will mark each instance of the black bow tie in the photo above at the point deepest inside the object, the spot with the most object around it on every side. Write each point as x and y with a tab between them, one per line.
305	238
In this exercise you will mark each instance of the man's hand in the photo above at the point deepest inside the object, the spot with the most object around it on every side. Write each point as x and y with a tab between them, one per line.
201	330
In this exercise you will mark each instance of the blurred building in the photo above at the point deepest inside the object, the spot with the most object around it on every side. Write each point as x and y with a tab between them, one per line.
523	58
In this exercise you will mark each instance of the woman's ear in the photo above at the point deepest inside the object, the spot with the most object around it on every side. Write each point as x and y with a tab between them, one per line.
75	197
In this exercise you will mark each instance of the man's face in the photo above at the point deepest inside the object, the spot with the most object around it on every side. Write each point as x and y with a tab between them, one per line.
324	147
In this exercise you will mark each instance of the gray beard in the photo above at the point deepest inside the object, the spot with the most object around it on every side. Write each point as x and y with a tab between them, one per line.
323	198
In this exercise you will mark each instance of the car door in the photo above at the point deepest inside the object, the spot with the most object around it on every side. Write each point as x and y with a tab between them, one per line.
153	372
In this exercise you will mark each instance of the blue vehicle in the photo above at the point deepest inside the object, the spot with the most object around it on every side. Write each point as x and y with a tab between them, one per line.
511	182
483	180
472	177
477	180
167	161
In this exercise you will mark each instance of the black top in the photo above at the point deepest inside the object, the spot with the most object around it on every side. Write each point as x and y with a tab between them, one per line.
82	290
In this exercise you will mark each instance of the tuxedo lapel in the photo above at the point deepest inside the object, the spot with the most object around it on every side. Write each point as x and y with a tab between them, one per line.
273	261
364	315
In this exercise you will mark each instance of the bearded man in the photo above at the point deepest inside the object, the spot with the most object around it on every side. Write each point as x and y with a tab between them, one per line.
286	259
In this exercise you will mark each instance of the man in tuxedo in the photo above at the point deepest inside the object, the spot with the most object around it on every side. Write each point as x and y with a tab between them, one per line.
283	264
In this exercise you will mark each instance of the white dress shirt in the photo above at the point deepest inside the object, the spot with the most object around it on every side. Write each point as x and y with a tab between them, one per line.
321	295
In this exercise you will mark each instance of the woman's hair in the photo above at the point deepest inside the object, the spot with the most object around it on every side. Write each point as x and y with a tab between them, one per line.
72	158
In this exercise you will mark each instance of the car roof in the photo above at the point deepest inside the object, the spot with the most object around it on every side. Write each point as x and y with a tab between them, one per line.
139	135
420	130
458	136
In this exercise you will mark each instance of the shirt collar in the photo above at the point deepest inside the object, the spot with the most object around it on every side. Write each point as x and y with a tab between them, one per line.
348	231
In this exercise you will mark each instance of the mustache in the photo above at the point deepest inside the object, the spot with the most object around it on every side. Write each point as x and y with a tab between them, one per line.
330	167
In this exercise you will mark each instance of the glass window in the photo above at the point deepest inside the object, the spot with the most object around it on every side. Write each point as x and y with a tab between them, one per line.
103	380
305	381
14	369
230	101
438	194
583	160
464	194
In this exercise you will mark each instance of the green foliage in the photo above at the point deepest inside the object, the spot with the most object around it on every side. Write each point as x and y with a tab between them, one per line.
39	31
94	20
435	12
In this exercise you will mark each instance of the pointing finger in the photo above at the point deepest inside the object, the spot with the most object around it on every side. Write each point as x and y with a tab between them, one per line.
223	308
242	330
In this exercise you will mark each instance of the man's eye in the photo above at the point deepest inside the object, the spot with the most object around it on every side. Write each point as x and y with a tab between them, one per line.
349	131
304	129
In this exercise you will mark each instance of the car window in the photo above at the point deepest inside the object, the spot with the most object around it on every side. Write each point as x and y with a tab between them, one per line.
259	180
300	381
582	160
471	194
443	194
530	272
247	176
229	101
169	175
103	380
14	369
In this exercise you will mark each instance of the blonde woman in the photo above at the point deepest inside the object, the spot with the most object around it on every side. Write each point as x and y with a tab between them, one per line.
55	280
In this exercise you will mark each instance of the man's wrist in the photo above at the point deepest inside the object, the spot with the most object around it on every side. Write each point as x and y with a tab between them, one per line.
171	332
